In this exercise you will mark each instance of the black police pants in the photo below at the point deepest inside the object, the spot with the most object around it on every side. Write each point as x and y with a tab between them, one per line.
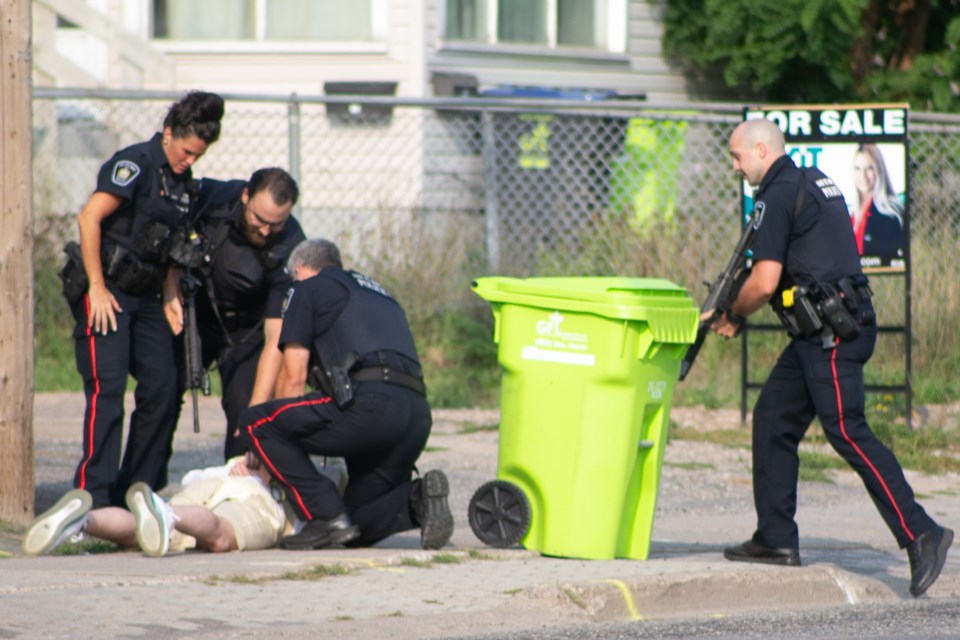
238	372
236	363
809	381
142	346
380	436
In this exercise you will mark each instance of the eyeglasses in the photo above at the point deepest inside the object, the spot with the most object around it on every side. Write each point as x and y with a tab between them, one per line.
260	222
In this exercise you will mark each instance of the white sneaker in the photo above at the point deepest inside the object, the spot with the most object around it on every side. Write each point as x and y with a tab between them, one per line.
61	521
155	519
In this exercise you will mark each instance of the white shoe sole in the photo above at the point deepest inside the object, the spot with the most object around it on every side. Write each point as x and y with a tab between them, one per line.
152	534
54	525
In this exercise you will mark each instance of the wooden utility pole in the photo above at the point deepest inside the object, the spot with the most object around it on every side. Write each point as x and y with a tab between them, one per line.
16	266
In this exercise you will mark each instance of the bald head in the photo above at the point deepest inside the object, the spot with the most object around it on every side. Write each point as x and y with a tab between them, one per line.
754	146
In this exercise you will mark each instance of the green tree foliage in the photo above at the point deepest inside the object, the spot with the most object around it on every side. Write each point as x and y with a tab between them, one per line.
819	50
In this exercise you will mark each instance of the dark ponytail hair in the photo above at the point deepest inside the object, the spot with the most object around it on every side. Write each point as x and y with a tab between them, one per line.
199	114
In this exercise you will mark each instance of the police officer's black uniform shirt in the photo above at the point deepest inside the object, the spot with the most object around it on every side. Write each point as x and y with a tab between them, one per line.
312	307
342	314
817	247
141	176
247	280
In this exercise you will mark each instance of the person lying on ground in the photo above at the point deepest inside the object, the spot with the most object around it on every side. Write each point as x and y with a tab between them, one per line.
219	509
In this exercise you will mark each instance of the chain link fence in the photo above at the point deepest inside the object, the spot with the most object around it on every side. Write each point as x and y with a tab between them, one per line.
428	194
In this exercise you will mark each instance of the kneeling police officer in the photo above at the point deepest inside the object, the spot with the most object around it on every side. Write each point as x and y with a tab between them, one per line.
369	407
806	264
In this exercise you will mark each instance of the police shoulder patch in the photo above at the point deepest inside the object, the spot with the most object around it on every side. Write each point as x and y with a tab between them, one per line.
758	210
124	172
286	302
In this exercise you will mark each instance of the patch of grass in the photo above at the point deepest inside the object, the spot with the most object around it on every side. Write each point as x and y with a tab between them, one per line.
929	450
476	554
689	466
429	449
394	614
242	579
317	572
447	558
343	618
734	438
814	466
946	492
87	546
469	427
932	451
432	602
574	598
413	562
512	592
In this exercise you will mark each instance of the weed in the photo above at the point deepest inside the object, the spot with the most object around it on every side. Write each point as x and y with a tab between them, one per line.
413	562
317	572
689	466
733	438
574	598
815	465
87	546
469	427
447	558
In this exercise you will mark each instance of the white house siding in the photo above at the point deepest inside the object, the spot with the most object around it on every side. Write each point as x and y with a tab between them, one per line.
641	69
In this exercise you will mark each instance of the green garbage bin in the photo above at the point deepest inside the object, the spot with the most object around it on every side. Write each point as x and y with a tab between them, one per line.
589	366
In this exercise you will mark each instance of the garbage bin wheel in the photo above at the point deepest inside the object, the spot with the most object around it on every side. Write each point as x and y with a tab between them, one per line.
499	513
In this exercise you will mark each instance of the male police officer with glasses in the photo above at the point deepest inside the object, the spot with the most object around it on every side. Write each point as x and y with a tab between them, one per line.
245	235
806	265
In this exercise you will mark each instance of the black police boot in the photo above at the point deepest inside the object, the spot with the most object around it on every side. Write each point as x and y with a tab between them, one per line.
750	551
428	502
319	534
927	555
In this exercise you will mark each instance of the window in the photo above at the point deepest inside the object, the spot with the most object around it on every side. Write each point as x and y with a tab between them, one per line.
269	20
596	24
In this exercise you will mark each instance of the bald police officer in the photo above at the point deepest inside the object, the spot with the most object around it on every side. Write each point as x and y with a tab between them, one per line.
805	264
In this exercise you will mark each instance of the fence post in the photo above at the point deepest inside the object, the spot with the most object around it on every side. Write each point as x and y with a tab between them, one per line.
16	266
491	214
293	131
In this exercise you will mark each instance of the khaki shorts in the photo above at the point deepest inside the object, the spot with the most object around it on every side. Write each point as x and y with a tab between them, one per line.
256	518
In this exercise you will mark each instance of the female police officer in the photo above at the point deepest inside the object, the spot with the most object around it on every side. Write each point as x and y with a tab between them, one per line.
142	194
803	237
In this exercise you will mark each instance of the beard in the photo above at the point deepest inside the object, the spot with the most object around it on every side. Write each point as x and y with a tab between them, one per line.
252	235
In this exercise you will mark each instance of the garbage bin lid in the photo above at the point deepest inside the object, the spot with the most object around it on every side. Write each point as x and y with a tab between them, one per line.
664	305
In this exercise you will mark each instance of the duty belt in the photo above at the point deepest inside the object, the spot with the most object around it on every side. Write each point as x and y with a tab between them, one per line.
389	376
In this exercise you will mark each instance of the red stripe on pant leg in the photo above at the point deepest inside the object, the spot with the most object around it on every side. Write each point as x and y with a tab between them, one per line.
263	456
88	428
843	431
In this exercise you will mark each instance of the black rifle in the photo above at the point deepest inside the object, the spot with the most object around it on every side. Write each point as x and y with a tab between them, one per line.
720	295
186	252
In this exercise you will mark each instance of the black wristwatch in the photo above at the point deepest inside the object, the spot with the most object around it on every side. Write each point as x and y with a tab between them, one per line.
733	318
